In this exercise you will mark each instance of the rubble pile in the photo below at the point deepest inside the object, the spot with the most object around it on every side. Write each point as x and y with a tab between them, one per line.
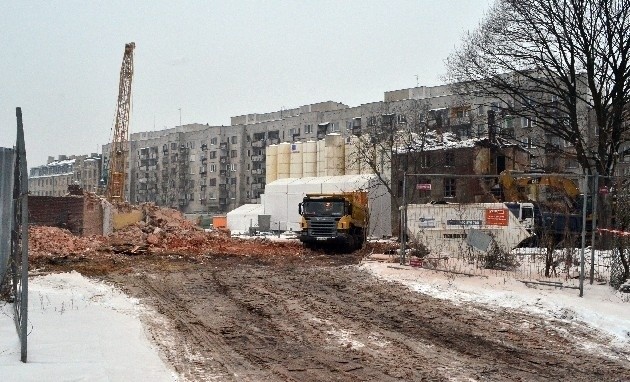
44	241
162	231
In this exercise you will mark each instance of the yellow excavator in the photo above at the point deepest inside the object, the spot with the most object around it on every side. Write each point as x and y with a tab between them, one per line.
555	191
558	202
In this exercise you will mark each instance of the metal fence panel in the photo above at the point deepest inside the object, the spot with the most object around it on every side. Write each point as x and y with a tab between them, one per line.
467	224
7	162
19	242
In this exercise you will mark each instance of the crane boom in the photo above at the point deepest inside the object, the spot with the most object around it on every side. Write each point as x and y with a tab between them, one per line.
120	139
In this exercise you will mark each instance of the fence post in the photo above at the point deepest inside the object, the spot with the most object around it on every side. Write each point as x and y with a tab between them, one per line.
403	222
585	196
594	198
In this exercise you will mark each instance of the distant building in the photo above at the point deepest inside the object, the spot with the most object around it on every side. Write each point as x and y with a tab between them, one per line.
198	168
459	159
53	178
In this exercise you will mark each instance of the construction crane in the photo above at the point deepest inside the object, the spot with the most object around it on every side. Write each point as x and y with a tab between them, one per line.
118	150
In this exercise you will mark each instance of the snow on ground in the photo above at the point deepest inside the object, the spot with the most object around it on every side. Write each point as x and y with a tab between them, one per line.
601	307
79	330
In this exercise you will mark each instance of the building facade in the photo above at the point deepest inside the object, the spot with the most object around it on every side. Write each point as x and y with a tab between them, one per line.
199	168
53	178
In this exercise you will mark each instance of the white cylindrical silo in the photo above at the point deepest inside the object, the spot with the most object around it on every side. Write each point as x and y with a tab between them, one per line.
284	160
335	158
309	159
295	169
352	155
321	157
271	163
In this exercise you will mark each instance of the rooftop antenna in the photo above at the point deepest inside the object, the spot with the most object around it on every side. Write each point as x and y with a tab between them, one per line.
417	83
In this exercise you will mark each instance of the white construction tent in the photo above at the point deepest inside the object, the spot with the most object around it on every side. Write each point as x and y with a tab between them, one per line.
282	196
240	219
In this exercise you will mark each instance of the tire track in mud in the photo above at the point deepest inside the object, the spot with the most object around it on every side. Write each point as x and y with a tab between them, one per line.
239	321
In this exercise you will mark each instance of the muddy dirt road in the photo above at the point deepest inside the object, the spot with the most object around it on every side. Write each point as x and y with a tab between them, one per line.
320	318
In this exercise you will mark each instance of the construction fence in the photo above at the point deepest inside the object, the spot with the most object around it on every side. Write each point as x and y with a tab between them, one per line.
14	232
556	229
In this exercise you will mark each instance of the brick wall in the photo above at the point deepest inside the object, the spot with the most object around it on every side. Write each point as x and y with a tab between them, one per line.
80	215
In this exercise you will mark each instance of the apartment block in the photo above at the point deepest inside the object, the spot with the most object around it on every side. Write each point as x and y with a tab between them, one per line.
53	178
199	168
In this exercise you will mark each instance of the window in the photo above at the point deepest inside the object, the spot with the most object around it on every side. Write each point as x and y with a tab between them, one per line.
213	155
233	167
481	129
213	141
173	146
371	121
334	127
449	188
308	129
349	126
233	153
213	182
232	180
213	168
449	159
527	122
480	110
464	133
526	143
294	131
460	112
234	139
401	119
494	106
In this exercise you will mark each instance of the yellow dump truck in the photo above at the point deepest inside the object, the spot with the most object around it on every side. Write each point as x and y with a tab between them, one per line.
337	218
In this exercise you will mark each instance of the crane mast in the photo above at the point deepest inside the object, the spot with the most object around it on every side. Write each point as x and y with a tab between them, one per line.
118	150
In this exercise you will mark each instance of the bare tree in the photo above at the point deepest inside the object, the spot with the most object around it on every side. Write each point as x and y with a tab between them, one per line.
391	133
560	63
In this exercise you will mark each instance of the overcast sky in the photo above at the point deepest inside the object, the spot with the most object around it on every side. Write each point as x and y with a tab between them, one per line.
214	60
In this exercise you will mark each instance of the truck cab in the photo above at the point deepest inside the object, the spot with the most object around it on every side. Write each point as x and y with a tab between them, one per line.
333	218
525	212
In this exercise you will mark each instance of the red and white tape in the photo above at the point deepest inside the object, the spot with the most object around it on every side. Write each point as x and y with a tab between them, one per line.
613	231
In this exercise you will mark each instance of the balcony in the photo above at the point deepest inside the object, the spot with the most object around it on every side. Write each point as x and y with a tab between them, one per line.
223	146
259	143
223	159
223	172
258	158
273	141
258	171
